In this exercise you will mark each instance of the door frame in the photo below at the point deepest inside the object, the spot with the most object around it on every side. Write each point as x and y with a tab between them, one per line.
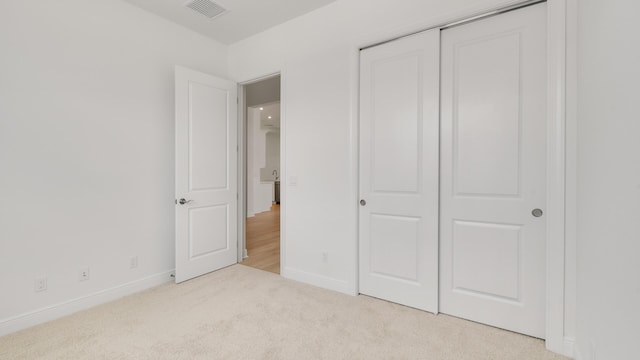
557	134
242	166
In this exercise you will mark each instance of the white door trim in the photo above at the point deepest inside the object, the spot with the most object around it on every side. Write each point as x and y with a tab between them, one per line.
556	182
242	182
283	172
556	149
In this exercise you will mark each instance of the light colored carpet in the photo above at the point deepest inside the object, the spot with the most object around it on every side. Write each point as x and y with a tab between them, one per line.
244	313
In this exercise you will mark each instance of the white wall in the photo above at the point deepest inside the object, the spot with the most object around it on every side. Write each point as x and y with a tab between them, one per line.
318	57
259	194
86	148
272	156
608	316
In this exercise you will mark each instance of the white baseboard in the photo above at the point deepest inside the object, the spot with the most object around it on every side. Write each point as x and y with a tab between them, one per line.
317	280
39	316
568	347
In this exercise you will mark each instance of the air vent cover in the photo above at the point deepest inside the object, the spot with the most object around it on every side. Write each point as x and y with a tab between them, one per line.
206	7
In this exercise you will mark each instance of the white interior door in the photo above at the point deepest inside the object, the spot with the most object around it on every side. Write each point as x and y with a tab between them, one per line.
206	173
399	171
493	171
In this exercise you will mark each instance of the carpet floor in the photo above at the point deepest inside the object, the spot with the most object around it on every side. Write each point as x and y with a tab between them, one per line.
244	313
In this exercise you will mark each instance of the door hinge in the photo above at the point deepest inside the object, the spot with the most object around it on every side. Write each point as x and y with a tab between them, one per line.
237	196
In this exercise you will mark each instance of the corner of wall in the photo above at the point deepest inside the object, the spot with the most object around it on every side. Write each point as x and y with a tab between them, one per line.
318	280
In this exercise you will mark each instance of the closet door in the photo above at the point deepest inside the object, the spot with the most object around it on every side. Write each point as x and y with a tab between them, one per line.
492	232
399	171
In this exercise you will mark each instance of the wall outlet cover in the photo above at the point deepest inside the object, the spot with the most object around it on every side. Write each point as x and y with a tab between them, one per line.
40	284
133	262
83	274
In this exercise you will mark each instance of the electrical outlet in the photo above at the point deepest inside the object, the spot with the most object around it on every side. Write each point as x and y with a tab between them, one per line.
83	274
40	284
133	262
325	257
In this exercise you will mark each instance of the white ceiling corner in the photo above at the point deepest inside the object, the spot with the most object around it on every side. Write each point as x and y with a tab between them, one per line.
243	18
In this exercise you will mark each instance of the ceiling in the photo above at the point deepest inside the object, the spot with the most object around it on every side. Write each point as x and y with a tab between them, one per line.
270	116
243	19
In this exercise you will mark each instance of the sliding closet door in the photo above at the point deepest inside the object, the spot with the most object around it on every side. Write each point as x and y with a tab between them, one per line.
399	171
492	232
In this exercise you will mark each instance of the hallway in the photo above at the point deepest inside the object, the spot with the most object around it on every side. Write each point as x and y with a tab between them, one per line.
263	240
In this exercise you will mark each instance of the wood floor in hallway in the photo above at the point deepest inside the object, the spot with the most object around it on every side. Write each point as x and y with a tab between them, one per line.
263	240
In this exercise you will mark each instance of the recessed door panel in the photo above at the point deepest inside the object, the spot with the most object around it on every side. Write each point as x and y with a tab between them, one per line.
208	230
487	137
208	137
394	246
487	259
396	123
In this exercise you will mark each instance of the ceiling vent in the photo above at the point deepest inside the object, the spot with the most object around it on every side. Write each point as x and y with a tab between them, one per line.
206	7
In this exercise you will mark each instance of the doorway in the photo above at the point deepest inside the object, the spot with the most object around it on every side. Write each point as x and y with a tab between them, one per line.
262	174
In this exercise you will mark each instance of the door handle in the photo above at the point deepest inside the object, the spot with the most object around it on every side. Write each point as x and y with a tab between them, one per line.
184	201
536	212
363	202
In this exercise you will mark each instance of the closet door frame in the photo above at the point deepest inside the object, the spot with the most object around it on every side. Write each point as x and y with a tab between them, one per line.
557	135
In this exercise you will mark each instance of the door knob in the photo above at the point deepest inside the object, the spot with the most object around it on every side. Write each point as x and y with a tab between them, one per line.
362	202
184	201
536	212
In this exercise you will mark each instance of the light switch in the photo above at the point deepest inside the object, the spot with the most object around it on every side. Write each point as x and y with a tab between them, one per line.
293	181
